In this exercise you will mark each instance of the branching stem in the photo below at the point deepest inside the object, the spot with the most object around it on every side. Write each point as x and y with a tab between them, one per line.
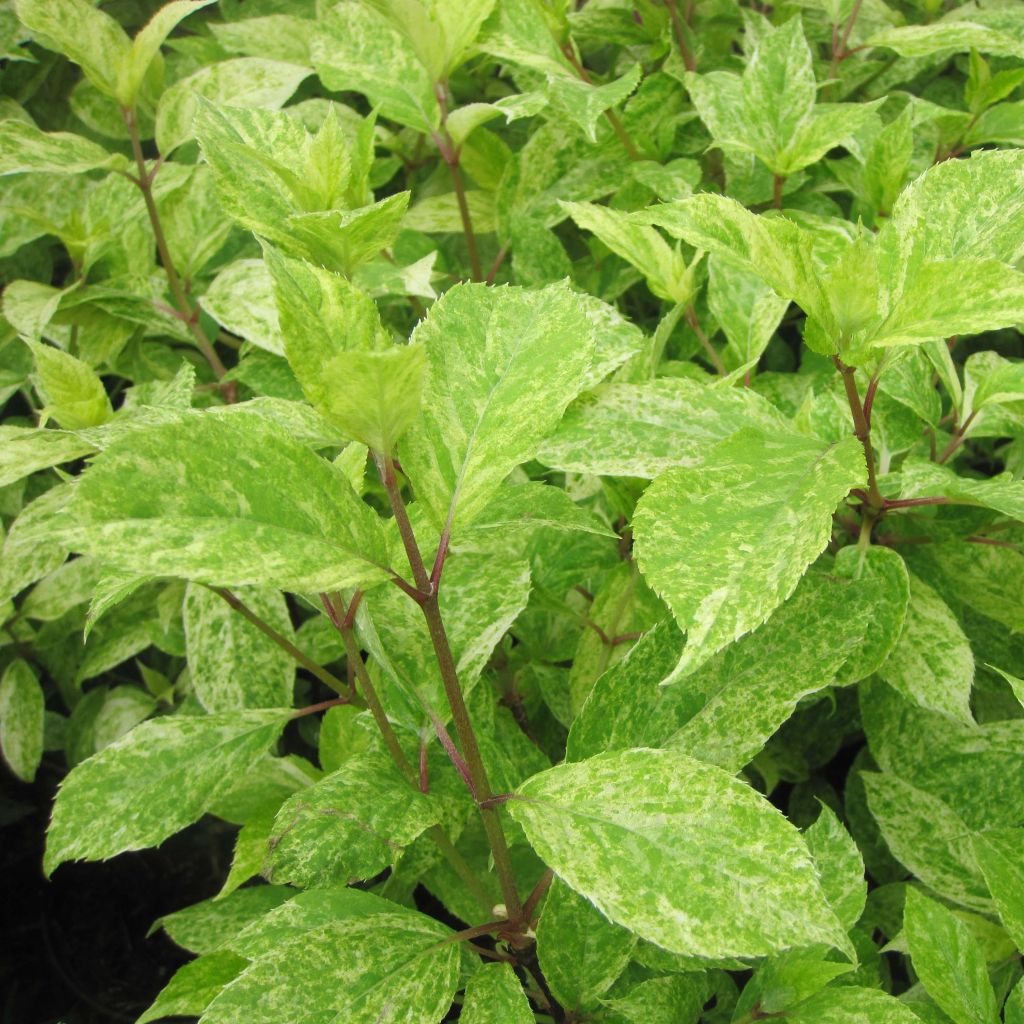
863	432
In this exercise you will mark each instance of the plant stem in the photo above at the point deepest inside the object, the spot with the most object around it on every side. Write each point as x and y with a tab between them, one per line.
777	182
496	265
705	343
862	432
453	691
957	439
189	314
533	900
312	709
327	678
679	30
839	52
450	153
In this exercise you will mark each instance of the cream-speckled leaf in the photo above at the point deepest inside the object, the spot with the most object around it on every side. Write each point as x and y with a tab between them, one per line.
73	391
768	498
920	479
502	365
154	781
354	48
89	37
676	999
24	148
741	697
25	450
206	926
579	950
227	501
532	505
387	968
194	986
844	1004
342	356
929	838
584	102
641	429
241	299
948	960
999	854
932	663
840	866
22	711
747	310
240	82
494	995
233	664
349	826
679	852
947	37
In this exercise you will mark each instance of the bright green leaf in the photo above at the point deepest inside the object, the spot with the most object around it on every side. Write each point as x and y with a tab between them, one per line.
495	996
22	710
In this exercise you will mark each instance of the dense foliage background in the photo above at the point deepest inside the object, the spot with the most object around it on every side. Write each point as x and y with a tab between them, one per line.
664	355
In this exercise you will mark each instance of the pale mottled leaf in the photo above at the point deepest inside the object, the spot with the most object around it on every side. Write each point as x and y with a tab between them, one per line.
532	505
241	299
677	851
1002	493
579	950
74	393
194	986
392	967
502	365
349	826
850	1005
494	995
947	37
747	310
204	927
641	429
26	450
584	102
153	782
22	710
24	148
227	501
677	999
231	662
948	960
999	855
768	498
840	866
932	663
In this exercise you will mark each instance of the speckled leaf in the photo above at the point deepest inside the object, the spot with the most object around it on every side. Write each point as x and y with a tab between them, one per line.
579	950
31	548
232	664
1013	1009
227	501
999	854
1002	493
641	429
768	497
204	927
24	148
153	782
89	37
840	866
387	968
349	826
73	391
849	1005
677	999
239	82
25	450
887	592
194	986
747	310
585	102
932	663
947	37
494	995
22	710
948	960
741	697
532	505
502	365
343	357
929	838
241	299
356	48
786	980
679	852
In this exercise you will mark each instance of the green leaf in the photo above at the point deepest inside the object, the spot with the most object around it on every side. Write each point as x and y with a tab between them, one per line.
677	851
26	450
947	37
948	961
86	35
495	996
639	245
153	782
349	826
641	429
74	394
850	1005
579	950
534	505
786	980
22	710
194	986
249	82
146	46
354	48
929	838
227	501
231	662
678	999
747	310
770	496
381	968
584	103
241	299
502	365
204	927
24	148
998	852
932	663
1002	493
840	866
342	356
